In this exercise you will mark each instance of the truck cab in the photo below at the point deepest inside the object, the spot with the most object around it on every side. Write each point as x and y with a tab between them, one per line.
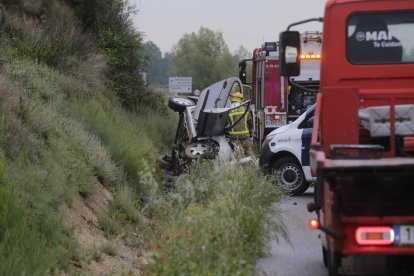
276	101
361	149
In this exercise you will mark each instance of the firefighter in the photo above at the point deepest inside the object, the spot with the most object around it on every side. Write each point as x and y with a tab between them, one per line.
241	122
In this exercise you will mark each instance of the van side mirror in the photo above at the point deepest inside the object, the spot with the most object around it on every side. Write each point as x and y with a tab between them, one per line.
289	53
242	71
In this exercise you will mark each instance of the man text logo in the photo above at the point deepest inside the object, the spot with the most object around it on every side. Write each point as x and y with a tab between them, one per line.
373	36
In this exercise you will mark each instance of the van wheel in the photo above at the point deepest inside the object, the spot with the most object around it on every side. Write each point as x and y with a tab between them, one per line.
179	104
289	175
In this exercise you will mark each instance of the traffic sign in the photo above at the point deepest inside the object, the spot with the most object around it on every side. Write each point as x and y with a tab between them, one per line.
180	85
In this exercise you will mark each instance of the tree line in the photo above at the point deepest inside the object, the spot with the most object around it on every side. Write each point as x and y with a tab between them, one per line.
204	56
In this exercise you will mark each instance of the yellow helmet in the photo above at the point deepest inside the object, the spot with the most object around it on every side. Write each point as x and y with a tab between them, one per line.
236	97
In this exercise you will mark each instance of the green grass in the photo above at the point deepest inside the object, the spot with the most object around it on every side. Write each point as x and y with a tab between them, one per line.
216	222
133	140
29	245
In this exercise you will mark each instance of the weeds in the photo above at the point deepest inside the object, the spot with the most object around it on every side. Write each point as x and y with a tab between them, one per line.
109	225
109	249
215	222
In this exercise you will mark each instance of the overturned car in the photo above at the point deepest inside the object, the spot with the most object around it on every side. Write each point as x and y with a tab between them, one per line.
201	130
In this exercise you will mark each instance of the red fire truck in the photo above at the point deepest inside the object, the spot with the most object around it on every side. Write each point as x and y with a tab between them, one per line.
275	101
363	131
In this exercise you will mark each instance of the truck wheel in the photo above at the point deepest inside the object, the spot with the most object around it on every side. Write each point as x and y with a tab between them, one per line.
289	175
333	261
178	104
324	256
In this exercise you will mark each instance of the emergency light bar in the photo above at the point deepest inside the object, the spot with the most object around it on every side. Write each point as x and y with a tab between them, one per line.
310	56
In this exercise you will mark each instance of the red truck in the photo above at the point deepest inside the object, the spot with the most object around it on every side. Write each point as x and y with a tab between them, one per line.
362	142
275	102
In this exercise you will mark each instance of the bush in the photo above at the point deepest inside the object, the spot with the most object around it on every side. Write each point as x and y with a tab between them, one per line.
110	22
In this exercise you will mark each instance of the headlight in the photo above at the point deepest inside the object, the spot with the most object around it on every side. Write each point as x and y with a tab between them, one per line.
268	139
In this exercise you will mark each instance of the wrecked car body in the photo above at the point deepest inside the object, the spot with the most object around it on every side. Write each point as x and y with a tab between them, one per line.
201	130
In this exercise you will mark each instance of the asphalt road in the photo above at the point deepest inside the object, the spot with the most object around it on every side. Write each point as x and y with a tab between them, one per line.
303	256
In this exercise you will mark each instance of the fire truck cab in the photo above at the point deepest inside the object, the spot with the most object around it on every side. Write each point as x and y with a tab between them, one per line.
275	101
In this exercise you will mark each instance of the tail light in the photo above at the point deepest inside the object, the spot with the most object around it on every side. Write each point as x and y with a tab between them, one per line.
374	235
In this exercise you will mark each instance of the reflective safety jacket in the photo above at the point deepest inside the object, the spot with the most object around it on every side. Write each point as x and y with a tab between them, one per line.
242	128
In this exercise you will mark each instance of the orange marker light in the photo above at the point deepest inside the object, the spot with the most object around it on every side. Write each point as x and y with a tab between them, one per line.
314	224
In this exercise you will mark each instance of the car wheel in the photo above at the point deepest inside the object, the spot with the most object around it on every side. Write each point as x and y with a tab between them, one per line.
289	175
179	104
201	149
193	98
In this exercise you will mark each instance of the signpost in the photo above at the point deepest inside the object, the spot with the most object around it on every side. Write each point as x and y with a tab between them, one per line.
180	85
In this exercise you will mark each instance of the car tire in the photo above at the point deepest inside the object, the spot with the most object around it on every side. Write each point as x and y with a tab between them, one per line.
289	175
179	104
193	98
202	149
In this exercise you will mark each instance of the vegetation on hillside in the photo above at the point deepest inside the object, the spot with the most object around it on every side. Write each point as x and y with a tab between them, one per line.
75	114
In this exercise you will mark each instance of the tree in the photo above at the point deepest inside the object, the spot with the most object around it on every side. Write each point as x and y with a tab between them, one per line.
203	56
110	23
156	66
240	54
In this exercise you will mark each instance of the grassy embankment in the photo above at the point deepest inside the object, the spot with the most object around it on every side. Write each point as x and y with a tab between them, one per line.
62	131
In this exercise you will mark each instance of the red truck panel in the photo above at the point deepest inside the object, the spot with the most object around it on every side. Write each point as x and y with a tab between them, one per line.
272	93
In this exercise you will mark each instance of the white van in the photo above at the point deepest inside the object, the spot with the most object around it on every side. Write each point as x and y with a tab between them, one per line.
285	154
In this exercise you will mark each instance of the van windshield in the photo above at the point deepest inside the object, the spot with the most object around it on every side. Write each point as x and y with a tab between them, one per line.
380	38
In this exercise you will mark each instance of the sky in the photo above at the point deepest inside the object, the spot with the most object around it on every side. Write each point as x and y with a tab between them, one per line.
242	23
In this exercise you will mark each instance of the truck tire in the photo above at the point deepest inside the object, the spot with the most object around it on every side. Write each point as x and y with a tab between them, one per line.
179	104
334	262
289	175
325	256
